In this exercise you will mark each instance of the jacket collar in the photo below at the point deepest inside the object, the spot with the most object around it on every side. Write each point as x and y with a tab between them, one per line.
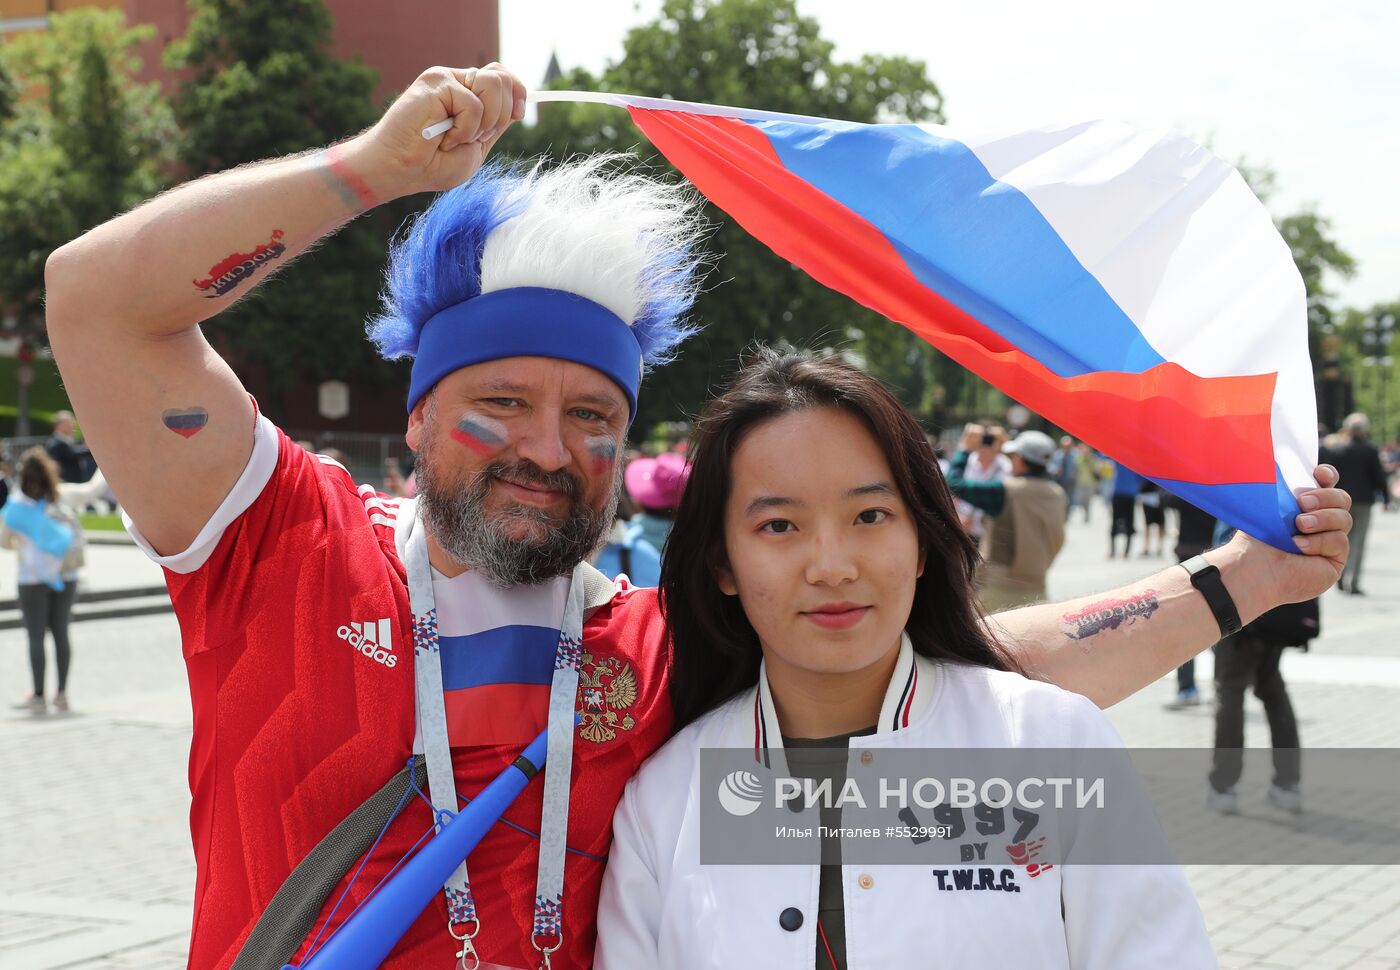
907	696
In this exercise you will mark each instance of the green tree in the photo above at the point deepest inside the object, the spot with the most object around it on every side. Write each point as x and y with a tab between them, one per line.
759	53
263	84
1371	362
1316	252
84	143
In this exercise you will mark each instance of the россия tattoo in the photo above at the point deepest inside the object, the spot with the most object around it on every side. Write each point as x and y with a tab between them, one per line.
1110	615
234	269
185	422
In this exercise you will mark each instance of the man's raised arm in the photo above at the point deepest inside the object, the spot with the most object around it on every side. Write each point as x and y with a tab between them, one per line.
1113	644
169	423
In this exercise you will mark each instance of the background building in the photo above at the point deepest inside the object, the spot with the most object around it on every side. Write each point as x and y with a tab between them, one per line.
398	40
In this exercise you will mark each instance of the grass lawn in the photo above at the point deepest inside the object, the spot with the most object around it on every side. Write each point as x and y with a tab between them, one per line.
101	523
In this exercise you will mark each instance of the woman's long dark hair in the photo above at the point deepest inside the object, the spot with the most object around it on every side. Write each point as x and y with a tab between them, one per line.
716	652
38	475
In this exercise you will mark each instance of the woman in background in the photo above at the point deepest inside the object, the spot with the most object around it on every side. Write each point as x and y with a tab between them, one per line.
41	525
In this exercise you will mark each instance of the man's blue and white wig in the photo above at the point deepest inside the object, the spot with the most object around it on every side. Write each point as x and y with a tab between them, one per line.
581	262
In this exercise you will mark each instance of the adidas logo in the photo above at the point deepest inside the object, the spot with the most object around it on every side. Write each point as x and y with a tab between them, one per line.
371	638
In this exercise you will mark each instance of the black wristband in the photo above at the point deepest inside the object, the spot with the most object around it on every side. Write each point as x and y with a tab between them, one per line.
1206	578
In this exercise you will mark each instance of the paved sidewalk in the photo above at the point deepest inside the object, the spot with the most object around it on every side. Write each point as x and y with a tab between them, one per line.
96	869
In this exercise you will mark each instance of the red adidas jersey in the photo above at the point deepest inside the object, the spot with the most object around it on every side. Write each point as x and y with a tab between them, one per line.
294	726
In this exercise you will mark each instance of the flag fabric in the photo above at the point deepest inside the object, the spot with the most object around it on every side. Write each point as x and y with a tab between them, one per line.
497	653
1124	284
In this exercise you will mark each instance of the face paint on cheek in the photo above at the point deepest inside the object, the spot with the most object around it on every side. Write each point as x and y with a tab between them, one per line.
481	434
603	448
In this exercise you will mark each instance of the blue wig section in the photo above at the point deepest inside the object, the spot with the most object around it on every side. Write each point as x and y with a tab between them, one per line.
438	262
660	327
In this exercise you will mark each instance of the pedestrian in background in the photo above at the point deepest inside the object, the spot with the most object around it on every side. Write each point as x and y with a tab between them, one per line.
656	484
73	459
627	552
1088	469
1126	484
1154	518
1358	461
985	463
1064	469
45	531
1195	534
1025	525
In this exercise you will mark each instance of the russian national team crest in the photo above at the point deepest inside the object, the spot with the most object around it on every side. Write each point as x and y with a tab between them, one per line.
607	687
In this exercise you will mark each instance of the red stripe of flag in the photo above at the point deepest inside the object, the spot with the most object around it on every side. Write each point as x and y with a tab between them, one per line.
496	714
1164	423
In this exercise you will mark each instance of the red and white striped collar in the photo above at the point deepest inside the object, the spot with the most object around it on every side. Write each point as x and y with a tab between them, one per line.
907	696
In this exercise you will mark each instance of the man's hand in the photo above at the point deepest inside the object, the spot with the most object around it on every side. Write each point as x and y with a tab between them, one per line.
1269	577
971	438
395	159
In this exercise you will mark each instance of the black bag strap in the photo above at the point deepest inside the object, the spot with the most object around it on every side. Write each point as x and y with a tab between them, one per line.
291	914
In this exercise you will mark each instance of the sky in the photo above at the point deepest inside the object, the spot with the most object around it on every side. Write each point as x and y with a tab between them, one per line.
1310	90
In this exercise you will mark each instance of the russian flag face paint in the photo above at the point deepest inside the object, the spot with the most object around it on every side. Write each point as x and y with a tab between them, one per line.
481	434
603	449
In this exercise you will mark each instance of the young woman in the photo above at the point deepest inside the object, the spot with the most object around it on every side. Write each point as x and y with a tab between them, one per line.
46	533
818	586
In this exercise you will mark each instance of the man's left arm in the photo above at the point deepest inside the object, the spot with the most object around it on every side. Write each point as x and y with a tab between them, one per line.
1111	645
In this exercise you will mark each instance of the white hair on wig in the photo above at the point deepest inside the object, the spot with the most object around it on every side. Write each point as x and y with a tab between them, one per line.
588	228
626	241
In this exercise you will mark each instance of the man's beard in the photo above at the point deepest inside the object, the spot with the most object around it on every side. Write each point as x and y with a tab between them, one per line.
460	523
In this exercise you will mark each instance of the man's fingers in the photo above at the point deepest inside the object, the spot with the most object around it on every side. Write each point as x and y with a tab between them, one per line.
517	90
1312	499
1324	520
494	86
1326	475
466	110
1330	545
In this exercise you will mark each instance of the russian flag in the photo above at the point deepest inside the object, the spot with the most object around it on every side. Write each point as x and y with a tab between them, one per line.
497	661
1126	285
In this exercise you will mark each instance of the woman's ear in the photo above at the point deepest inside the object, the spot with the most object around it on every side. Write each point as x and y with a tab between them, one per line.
724	579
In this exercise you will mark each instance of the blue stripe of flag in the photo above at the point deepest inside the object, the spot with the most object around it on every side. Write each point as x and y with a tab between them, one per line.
505	655
978	242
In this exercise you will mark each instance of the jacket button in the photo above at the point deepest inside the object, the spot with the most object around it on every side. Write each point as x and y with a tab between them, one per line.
866	881
866	757
790	919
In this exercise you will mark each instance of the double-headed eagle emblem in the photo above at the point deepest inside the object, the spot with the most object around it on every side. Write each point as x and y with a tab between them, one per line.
607	687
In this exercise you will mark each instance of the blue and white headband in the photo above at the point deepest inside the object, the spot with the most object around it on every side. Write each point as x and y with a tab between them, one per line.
580	262
527	321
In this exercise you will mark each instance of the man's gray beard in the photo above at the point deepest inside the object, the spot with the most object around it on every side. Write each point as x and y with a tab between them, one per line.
461	526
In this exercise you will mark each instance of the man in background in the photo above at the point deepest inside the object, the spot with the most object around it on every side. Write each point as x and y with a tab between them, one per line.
73	459
1025	525
1359	462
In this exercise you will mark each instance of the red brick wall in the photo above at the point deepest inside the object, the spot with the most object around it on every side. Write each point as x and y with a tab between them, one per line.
399	40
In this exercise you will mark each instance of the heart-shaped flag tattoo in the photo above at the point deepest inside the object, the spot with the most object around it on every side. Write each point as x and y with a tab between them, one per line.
185	422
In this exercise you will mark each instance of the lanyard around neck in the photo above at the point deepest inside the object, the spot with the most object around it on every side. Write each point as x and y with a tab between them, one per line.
462	921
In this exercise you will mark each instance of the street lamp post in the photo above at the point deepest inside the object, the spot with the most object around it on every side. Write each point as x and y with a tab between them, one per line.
1376	333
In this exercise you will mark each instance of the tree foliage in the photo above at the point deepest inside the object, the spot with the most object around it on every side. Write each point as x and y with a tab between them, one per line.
264	84
759	53
80	141
1316	252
